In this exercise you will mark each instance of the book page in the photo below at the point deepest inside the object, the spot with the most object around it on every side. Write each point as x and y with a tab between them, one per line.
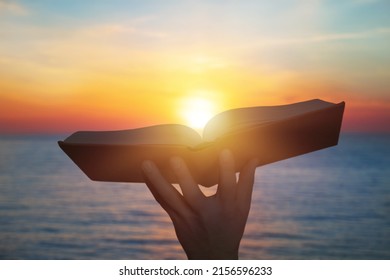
167	134
243	118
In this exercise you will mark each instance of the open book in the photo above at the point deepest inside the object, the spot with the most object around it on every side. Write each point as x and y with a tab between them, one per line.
269	133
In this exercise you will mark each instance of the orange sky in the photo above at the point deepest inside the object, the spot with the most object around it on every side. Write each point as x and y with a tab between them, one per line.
123	64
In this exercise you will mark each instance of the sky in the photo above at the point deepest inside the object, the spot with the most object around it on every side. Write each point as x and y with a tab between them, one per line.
107	65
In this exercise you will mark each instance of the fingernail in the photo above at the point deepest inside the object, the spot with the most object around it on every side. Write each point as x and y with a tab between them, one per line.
147	166
176	162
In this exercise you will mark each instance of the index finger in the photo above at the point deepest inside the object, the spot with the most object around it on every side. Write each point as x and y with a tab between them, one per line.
166	192
191	192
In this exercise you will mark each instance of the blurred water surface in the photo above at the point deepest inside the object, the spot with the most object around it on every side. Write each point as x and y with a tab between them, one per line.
331	204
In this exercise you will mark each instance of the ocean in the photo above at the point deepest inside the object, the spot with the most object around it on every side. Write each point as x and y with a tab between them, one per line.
330	204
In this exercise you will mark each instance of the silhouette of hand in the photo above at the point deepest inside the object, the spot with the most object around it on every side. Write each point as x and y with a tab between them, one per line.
207	227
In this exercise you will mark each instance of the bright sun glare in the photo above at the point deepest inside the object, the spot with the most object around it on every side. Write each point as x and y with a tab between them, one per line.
197	111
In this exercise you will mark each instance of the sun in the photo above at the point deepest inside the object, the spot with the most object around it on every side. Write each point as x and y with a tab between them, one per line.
197	111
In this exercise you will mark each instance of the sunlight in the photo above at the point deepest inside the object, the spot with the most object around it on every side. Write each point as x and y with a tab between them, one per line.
197	111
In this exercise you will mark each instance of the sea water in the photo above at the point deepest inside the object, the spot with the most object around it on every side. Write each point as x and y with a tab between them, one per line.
330	204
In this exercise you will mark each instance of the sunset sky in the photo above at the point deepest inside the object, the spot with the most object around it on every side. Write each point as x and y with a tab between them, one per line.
102	65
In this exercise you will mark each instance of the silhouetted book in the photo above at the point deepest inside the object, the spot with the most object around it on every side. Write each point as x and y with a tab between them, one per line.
269	133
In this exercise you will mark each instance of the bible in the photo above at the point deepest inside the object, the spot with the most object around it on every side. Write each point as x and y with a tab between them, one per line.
268	133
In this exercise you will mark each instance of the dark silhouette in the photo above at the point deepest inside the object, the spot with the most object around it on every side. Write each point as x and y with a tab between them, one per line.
207	227
269	133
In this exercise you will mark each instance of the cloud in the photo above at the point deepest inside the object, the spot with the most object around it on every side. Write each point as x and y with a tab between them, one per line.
120	30
349	36
365	2
327	37
12	8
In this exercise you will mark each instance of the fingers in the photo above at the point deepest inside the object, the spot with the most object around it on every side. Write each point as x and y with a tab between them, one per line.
227	176
168	197
191	192
245	184
157	196
229	190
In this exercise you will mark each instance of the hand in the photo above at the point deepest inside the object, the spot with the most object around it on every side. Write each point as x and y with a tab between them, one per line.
207	227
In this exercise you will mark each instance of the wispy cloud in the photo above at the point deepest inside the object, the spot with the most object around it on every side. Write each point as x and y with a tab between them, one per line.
120	29
326	37
12	7
365	2
349	35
